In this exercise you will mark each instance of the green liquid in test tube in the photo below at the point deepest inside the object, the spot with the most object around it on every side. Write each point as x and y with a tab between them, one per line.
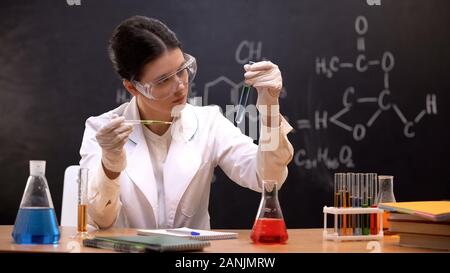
243	100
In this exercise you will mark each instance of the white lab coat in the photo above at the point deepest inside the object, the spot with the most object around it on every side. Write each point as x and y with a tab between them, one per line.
202	138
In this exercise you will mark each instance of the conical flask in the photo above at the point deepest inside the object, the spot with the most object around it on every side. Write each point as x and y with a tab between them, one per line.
386	195
269	226
36	220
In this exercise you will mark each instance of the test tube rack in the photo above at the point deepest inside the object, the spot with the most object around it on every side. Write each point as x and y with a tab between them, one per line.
335	236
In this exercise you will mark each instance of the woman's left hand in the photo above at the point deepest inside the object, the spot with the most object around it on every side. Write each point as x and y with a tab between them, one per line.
266	78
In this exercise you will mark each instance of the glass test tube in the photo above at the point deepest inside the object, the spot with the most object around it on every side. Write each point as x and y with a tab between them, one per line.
349	203
365	203
357	195
83	177
373	194
352	202
343	204
336	201
339	198
243	100
343	221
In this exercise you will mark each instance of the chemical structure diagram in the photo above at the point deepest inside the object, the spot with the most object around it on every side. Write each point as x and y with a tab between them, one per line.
362	64
330	67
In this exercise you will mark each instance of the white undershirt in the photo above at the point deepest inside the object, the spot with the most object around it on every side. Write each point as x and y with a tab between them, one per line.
158	147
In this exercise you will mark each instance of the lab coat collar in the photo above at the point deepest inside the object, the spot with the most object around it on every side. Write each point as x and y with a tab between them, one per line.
181	164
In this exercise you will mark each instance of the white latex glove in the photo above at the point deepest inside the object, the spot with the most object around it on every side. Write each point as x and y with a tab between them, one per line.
112	138
266	78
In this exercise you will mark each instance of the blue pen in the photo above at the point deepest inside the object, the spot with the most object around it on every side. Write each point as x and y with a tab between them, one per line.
184	232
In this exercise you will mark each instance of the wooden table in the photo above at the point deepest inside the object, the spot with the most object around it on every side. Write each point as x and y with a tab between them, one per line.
300	241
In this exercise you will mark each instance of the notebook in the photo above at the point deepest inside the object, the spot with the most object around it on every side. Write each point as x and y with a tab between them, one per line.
137	244
432	210
185	232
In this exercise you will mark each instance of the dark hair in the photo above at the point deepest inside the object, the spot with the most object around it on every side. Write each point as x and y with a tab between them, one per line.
137	41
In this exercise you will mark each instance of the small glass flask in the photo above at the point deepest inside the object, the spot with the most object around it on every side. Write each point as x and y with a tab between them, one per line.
385	195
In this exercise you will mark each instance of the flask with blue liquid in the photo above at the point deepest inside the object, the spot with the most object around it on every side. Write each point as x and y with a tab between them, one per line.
36	220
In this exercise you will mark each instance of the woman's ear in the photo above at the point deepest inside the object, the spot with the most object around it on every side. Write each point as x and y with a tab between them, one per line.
130	87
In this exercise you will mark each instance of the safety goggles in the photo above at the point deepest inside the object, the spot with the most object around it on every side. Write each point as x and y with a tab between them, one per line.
166	86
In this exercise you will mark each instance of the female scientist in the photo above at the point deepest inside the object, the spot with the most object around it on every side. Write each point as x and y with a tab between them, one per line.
159	175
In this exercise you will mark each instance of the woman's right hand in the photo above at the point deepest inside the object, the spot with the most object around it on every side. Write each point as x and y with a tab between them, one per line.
112	138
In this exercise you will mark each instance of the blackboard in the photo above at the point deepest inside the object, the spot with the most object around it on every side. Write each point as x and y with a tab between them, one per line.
366	88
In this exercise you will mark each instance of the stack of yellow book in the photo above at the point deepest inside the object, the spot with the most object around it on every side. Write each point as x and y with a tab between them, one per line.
420	224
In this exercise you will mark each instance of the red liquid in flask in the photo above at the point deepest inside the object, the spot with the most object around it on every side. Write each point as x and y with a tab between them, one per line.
269	231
